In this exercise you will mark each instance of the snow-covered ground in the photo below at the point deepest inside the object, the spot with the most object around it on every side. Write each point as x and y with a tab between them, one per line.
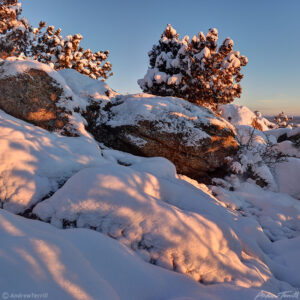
39	261
127	227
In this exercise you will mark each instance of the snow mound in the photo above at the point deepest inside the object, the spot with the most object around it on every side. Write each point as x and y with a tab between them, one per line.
82	264
34	162
125	204
242	115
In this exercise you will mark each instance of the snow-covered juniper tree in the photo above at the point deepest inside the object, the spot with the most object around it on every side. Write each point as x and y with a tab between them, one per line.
165	75
44	44
15	32
205	74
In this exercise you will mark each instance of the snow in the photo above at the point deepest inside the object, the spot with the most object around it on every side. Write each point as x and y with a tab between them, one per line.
175	79
160	77
277	213
34	162
157	166
204	53
288	148
125	204
36	258
294	131
277	132
14	66
242	115
287	176
86	87
177	115
128	206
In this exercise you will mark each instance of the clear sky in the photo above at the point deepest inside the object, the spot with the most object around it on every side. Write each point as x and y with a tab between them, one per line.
266	31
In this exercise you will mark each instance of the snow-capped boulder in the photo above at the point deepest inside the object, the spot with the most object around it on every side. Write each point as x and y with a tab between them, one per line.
190	136
242	115
35	93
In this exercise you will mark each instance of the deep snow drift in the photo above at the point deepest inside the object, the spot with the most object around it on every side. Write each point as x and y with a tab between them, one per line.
141	223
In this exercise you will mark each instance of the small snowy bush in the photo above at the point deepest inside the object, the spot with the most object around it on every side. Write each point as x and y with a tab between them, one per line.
196	70
17	37
257	155
283	121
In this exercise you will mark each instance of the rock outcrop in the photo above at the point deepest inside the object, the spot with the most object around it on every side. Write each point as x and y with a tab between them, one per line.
192	137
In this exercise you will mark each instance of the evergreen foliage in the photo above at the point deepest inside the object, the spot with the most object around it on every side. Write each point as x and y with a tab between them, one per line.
196	70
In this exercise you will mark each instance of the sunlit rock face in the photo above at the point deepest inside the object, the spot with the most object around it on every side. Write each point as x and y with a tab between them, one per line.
32	96
192	137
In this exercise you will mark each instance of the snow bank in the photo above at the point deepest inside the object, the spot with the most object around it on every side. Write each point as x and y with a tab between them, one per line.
34	162
82	264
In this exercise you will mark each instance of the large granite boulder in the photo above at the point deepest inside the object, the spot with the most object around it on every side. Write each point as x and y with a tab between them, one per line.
192	137
30	93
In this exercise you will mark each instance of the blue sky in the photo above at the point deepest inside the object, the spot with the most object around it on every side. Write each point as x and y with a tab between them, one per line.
266	31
